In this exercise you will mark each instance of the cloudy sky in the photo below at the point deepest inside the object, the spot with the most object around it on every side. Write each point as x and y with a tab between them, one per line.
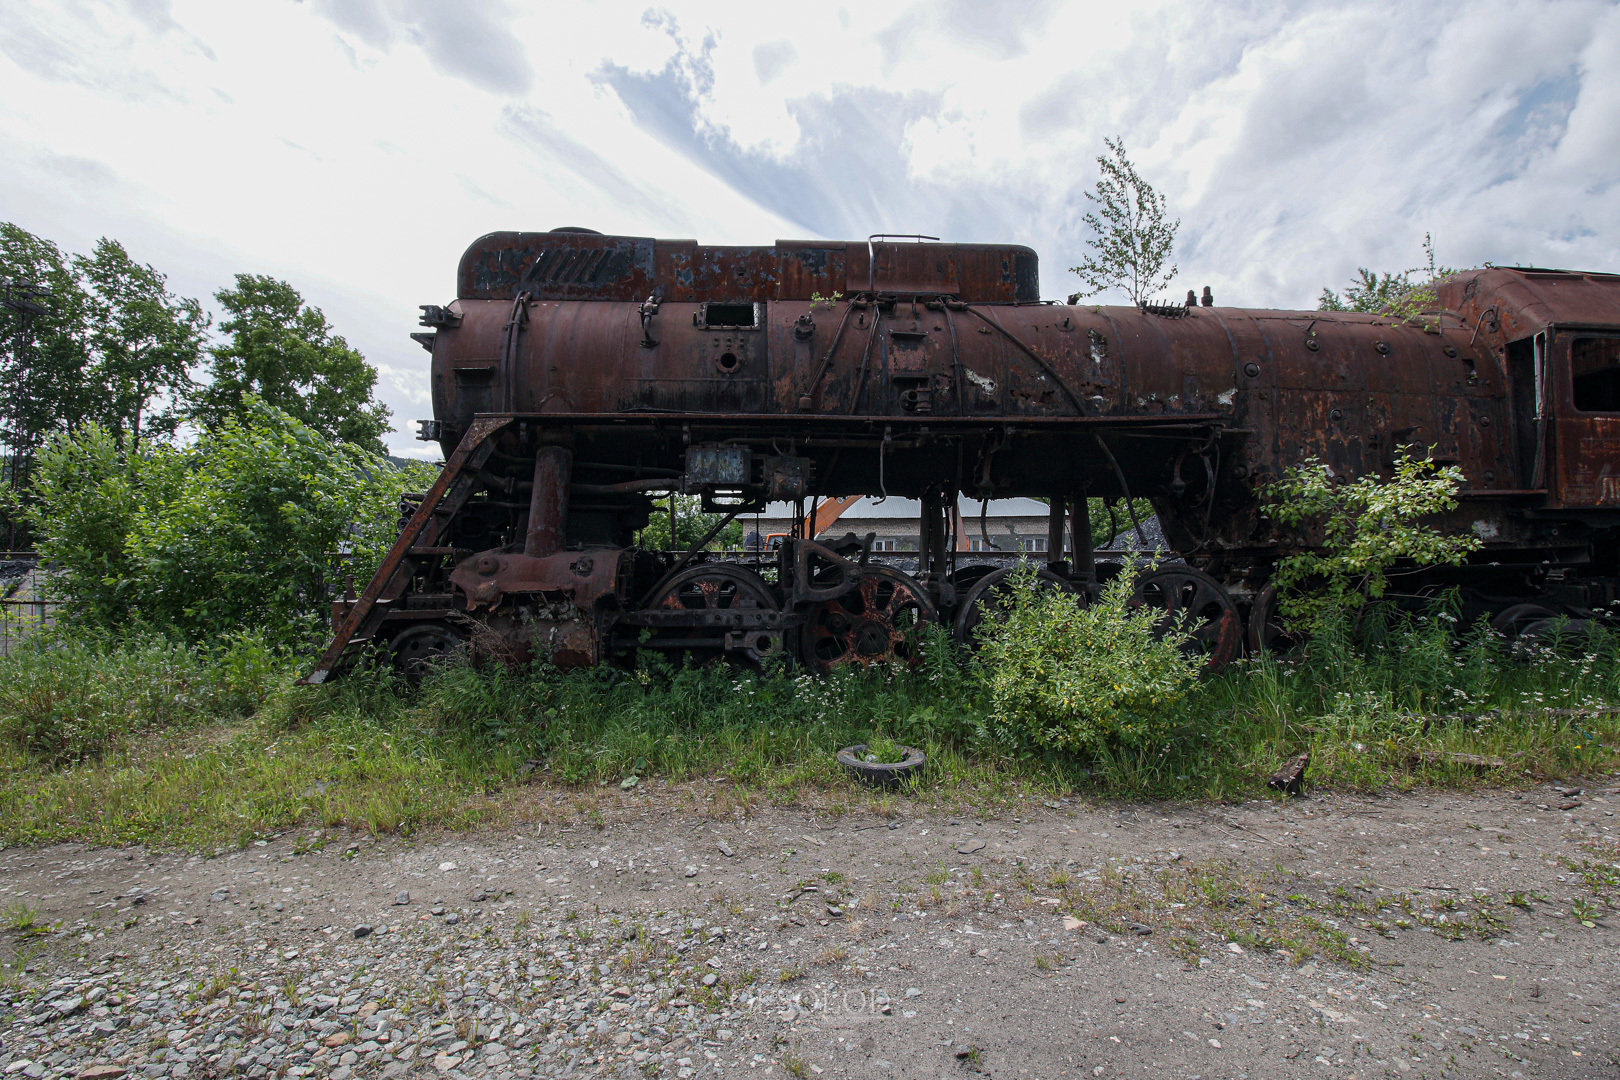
354	147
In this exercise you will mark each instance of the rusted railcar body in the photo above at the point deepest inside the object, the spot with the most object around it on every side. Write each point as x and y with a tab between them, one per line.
577	377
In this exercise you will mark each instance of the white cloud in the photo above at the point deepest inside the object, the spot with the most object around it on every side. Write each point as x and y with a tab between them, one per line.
356	146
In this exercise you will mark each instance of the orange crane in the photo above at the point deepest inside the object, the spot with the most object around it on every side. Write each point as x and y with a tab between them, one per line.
819	519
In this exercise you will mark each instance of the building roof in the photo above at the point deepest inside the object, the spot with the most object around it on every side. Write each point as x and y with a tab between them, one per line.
876	507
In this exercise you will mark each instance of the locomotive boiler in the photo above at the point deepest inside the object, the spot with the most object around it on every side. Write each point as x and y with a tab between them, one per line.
579	378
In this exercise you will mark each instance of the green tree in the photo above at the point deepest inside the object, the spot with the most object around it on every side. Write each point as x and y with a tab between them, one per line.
690	525
282	351
1132	237
1409	294
1370	291
82	507
44	369
1357	531
144	342
240	530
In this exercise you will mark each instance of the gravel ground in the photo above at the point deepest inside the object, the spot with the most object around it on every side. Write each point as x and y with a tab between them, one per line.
1054	940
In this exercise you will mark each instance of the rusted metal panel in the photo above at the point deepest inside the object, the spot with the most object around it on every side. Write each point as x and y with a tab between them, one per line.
809	268
587	266
1519	302
556	266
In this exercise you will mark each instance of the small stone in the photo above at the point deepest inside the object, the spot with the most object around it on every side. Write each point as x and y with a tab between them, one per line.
101	1072
963	1050
1139	930
447	866
710	979
912	991
437	911
218	895
402	898
1216	1043
968	847
725	849
362	931
629	783
691	871
452	918
339	1038
1234	948
1119	1001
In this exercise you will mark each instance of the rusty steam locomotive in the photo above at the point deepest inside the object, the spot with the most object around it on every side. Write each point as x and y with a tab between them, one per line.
579	377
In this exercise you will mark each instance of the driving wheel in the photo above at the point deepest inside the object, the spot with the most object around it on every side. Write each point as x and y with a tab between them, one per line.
417	648
1267	631
714	587
1196	604
879	621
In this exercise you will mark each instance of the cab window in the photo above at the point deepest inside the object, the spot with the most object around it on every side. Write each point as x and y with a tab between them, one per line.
1595	366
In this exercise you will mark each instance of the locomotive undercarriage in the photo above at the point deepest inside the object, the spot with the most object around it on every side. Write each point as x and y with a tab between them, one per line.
523	545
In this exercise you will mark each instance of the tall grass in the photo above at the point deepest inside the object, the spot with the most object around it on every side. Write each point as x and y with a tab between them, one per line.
149	741
68	697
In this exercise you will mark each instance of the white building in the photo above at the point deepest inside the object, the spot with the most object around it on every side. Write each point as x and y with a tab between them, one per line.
1009	525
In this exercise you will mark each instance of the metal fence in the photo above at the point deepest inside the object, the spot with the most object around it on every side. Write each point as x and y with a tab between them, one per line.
23	605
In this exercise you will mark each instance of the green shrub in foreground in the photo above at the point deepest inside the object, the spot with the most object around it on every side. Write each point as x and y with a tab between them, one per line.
1062	675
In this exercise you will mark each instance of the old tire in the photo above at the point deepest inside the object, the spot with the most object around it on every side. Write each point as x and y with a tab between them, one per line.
877	773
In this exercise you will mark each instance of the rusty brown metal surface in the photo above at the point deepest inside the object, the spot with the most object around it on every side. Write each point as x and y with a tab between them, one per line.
887	367
1527	320
585	266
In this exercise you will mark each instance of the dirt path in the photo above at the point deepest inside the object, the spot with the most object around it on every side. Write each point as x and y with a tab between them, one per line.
1066	941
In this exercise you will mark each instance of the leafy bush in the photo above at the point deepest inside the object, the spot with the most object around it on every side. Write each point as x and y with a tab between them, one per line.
1064	675
1359	531
237	531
